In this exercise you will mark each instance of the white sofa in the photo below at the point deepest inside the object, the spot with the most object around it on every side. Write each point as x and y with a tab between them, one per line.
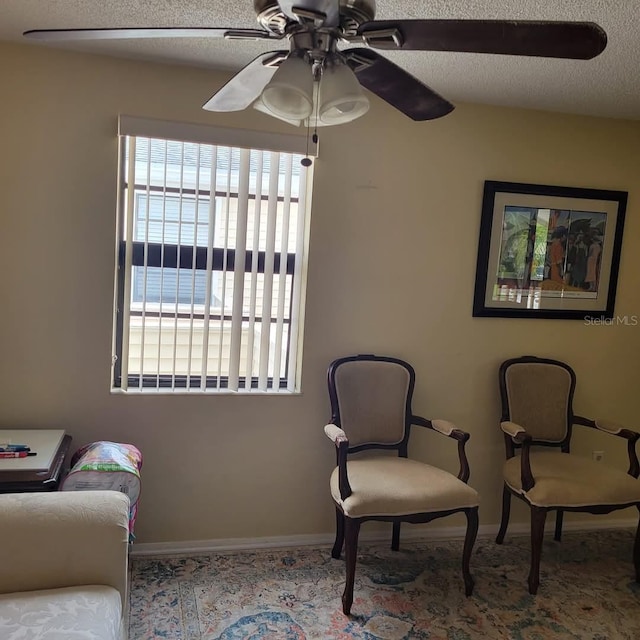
63	565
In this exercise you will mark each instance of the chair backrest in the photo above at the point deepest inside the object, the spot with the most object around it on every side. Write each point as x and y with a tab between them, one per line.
537	394
371	400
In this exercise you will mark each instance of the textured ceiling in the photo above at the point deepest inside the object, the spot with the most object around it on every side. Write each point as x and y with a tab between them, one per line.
608	85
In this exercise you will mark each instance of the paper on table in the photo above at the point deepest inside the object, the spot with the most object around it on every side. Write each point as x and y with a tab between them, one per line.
44	442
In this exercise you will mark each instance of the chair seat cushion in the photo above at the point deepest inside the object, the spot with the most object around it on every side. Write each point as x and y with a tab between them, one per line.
569	480
392	486
89	612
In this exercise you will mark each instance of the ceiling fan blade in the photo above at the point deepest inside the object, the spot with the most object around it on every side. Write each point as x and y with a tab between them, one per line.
245	87
397	87
575	40
121	33
325	13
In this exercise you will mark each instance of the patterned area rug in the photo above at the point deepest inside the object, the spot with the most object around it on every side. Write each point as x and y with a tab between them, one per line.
587	592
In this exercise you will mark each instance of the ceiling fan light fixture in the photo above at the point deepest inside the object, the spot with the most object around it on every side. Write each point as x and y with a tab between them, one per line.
341	98
259	105
289	94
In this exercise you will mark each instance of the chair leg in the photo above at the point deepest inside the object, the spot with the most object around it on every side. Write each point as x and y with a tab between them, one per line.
558	533
395	537
337	545
469	540
352	528
636	550
506	510
538	517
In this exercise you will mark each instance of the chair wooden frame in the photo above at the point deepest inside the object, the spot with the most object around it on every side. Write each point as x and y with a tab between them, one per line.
347	528
523	440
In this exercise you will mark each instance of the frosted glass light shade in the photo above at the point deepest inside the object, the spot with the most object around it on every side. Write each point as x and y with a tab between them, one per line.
289	94
260	106
341	97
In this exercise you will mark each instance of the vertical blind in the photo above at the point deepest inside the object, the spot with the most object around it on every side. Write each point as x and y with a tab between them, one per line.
210	266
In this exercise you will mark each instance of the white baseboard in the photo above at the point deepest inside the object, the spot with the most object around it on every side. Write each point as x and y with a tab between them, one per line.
326	539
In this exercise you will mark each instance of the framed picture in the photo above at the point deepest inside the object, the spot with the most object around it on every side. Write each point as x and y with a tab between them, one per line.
548	251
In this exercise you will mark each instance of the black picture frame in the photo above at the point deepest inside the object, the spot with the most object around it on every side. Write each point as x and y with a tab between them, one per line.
548	251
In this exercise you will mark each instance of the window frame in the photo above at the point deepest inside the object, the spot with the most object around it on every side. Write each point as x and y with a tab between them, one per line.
181	256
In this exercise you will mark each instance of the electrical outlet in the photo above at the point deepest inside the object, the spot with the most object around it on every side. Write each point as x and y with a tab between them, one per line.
597	456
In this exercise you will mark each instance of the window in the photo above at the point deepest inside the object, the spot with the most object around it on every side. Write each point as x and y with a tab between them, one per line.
211	246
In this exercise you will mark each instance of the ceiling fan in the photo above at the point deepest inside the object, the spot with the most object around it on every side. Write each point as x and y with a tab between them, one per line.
331	54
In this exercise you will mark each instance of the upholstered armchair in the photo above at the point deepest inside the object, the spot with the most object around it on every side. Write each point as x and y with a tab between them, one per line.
64	565
537	398
371	411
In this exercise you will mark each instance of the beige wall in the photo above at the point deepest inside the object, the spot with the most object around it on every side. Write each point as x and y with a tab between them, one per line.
392	264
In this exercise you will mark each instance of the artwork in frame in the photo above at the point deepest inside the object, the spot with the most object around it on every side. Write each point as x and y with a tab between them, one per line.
548	251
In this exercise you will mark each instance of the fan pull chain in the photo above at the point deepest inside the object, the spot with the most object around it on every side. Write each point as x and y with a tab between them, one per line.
306	162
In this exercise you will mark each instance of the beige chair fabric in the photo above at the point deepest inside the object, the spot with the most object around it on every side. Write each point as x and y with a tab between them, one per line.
390	486
64	539
370	398
334	433
91	612
538	394
568	480
63	565
608	425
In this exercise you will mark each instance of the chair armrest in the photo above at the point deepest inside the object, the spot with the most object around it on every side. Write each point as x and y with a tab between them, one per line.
64	539
616	429
515	433
444	427
335	434
339	438
608	426
450	430
511	428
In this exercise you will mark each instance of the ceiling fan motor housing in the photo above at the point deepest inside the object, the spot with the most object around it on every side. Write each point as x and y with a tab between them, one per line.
353	13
